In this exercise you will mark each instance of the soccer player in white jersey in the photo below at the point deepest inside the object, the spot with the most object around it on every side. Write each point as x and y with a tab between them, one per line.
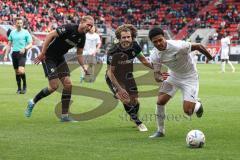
175	55
224	53
91	48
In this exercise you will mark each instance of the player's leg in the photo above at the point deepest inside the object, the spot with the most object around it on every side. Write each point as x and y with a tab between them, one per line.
18	79
230	63
135	105
15	66
64	76
66	99
21	71
50	70
82	75
131	105
223	63
53	85
167	91
191	104
92	64
91	72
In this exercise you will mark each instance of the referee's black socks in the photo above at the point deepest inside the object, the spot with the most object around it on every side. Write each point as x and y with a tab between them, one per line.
18	79
23	77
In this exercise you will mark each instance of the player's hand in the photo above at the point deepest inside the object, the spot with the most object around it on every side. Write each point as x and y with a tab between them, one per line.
86	71
122	94
22	51
164	75
39	58
94	53
158	77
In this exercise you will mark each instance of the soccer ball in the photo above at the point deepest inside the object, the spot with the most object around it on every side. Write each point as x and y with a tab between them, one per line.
195	139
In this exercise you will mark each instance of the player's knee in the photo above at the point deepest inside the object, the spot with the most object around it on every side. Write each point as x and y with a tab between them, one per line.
21	71
67	86
134	100
161	101
53	87
188	110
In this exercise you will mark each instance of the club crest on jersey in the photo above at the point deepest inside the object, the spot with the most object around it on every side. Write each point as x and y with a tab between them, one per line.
52	70
79	40
62	30
70	42
133	53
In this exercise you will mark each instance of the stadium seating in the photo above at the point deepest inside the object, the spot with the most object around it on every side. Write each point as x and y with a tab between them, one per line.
46	15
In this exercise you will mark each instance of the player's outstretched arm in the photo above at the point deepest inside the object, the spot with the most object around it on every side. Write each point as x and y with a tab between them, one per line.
144	61
202	49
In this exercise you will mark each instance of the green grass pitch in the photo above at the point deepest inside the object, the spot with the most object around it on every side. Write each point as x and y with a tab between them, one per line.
113	136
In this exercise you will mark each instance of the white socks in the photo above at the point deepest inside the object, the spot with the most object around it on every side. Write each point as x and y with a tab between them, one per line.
230	63
197	106
223	66
160	116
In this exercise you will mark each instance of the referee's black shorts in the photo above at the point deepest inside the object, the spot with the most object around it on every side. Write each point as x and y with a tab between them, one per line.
18	59
55	68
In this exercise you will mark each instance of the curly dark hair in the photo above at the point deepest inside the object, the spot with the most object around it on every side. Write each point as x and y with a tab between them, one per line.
126	28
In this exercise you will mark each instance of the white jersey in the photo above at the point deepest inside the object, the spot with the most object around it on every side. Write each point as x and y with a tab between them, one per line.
92	40
225	42
177	58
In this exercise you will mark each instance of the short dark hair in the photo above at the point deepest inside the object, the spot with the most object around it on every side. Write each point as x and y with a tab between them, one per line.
18	18
154	32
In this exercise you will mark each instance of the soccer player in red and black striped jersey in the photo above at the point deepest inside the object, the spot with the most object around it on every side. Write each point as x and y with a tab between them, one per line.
119	75
56	45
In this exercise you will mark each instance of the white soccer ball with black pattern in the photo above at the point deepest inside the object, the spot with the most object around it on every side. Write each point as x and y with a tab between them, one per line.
195	139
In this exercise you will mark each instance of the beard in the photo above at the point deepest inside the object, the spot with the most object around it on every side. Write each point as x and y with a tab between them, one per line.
126	44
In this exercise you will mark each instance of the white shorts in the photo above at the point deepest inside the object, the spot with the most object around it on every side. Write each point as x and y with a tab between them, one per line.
89	59
224	55
189	88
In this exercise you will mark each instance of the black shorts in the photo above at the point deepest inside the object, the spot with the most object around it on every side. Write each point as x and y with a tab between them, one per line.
55	68
18	59
129	85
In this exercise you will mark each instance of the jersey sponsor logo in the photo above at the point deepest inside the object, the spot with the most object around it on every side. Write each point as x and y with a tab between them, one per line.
62	30
126	61
70	42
